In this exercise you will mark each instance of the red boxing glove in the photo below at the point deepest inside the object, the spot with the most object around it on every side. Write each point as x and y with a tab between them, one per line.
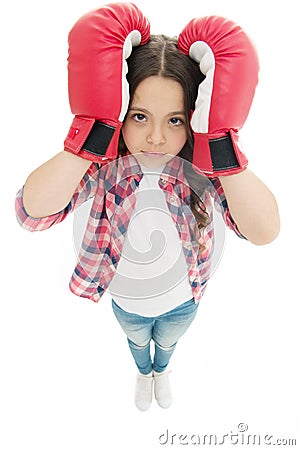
99	44
229	61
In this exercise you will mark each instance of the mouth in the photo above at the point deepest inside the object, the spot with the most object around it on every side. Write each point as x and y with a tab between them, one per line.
153	154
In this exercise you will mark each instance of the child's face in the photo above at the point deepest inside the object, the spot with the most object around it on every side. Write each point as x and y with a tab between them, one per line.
155	130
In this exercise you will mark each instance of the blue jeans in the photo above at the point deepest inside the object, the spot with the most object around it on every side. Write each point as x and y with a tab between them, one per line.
165	330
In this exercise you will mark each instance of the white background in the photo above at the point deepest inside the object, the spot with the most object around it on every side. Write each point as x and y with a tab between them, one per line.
67	377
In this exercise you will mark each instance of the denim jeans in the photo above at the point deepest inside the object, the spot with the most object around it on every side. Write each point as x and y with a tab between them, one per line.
164	330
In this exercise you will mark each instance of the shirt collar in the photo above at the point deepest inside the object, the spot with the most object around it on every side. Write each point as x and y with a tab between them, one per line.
172	171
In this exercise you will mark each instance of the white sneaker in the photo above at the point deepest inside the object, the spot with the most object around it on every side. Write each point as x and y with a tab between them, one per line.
162	389
143	391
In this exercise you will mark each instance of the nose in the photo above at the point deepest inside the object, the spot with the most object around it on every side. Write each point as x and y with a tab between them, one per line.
156	135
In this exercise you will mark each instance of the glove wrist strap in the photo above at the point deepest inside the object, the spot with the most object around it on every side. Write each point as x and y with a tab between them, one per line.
218	154
92	139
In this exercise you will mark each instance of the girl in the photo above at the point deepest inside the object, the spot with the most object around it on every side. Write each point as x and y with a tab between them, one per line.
150	190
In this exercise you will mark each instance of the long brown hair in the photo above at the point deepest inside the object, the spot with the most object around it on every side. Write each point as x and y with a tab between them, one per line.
160	56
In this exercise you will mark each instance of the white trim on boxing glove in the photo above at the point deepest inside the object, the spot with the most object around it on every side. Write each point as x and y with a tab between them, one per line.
202	53
132	40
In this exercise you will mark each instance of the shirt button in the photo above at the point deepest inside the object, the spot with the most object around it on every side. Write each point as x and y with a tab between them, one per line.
163	181
172	198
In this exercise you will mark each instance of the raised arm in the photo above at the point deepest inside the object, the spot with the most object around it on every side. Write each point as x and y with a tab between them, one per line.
228	59
252	206
99	44
50	187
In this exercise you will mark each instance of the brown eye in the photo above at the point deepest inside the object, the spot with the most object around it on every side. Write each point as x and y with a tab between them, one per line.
139	117
176	121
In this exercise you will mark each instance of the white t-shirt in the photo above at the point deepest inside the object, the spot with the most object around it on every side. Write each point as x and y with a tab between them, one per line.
151	276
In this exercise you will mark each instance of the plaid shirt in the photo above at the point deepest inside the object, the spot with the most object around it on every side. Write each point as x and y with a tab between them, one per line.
113	189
